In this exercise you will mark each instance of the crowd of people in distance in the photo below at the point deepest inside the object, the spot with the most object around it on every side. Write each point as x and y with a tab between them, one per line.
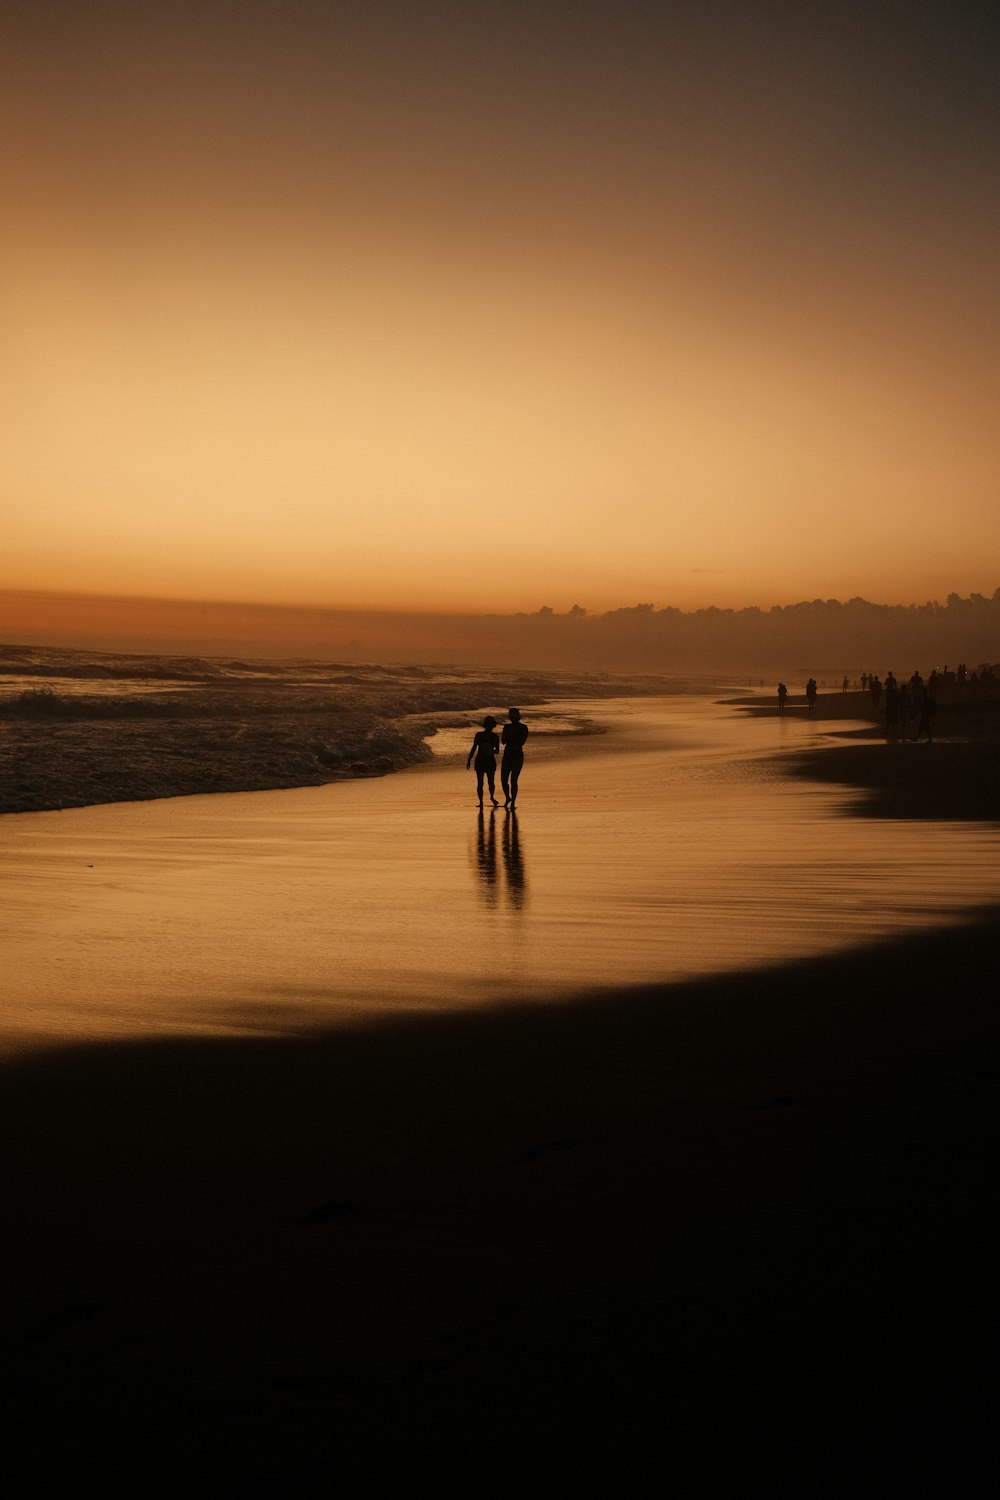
913	702
909	707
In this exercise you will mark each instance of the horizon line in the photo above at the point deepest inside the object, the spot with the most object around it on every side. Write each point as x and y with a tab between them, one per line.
574	611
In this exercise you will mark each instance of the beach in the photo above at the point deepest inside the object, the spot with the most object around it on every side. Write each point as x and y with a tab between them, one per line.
580	1162
957	778
383	382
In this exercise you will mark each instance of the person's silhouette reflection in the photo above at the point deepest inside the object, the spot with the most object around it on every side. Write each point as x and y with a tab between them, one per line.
486	856
512	853
513	862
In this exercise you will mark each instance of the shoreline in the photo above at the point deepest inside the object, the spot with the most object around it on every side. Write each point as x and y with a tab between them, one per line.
954	778
60	750
957	777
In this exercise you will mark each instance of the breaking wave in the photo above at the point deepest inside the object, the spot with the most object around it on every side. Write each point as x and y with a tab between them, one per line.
81	727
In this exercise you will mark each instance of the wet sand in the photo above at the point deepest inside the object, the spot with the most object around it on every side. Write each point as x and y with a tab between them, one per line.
956	777
740	1228
669	847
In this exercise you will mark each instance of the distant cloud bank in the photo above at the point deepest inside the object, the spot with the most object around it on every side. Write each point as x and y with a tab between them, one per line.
820	634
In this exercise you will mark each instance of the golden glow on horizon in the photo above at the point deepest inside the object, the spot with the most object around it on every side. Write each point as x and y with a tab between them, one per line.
288	328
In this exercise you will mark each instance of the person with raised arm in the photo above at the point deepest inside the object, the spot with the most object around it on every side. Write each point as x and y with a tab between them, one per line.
485	747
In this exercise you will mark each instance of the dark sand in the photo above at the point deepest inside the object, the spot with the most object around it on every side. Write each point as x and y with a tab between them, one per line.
957	775
741	1230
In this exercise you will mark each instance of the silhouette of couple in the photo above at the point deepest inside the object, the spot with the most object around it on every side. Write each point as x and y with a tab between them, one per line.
486	747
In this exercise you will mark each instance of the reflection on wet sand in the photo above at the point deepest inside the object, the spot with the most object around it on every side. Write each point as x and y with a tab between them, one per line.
513	860
696	856
486	856
512	857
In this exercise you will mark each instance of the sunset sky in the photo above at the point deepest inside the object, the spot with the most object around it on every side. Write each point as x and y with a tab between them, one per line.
461	306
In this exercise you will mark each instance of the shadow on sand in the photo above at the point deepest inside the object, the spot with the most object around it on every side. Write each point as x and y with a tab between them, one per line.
740	1229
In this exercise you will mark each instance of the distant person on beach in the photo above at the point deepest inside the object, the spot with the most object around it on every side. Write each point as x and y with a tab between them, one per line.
513	735
928	708
485	748
905	708
892	713
811	692
782	695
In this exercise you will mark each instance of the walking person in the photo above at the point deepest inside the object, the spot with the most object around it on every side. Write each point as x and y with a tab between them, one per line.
928	708
892	713
485	748
513	736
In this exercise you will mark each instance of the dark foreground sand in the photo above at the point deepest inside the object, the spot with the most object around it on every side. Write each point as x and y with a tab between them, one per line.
741	1231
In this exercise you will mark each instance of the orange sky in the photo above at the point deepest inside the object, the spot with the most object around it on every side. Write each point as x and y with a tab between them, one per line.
485	307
